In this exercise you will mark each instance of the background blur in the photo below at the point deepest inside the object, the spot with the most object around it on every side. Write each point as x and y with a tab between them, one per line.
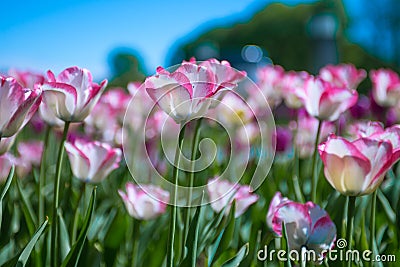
126	40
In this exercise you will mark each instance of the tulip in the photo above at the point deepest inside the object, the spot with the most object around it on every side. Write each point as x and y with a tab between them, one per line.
233	111
71	95
222	193
276	202
92	161
343	75
283	139
189	91
27	79
364	129
307	225
356	167
270	82
292	84
144	202
17	105
306	133
324	100
385	87
107	116
30	154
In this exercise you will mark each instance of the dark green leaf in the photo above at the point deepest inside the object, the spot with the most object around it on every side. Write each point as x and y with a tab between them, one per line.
22	258
5	189
192	240
75	252
29	214
235	261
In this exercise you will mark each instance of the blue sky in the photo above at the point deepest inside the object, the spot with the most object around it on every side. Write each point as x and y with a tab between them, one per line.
42	35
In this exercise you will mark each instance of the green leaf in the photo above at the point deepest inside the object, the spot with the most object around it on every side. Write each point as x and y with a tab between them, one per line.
228	233
29	214
65	244
235	261
192	240
5	189
22	258
75	252
390	214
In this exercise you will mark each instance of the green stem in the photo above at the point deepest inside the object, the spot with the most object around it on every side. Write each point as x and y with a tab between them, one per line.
372	223
172	226
135	238
77	211
54	225
295	178
350	224
314	180
195	145
42	175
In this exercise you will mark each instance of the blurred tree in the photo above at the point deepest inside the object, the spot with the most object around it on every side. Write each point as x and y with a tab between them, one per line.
378	21
301	37
126	66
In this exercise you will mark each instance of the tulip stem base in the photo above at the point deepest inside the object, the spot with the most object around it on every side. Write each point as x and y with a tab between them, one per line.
350	223
174	208
314	181
372	244
195	145
54	224
42	175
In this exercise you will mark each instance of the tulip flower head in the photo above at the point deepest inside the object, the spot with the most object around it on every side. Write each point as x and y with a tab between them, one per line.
385	87
17	105
307	225
306	133
343	75
326	101
30	154
144	202
222	193
356	167
72	94
27	79
92	161
191	89
292	85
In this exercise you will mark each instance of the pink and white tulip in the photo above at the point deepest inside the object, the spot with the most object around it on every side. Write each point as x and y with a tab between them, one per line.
222	193
307	225
106	119
17	105
269	80
30	154
72	94
92	161
189	91
356	167
27	79
326	101
292	85
343	75
306	133
385	87
144	202
276	201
